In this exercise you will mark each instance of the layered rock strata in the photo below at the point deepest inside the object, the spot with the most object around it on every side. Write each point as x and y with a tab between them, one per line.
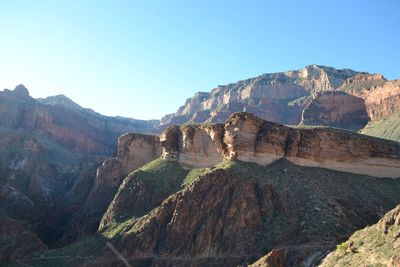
250	139
277	97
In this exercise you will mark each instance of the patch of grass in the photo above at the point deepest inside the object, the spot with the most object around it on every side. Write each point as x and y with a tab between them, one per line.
115	228
193	174
163	172
342	247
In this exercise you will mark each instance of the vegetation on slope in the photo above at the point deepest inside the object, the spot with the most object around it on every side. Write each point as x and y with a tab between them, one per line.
145	188
299	206
296	206
388	127
376	245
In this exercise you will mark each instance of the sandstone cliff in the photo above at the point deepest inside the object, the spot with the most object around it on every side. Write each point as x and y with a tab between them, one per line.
314	95
250	139
277	97
381	97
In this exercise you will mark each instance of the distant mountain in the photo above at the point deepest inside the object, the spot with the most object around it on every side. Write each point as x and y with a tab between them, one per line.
60	100
80	130
313	95
278	97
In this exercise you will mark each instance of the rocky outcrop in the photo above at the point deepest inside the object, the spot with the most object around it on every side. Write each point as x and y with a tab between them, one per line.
381	97
277	97
336	109
194	146
375	245
251	139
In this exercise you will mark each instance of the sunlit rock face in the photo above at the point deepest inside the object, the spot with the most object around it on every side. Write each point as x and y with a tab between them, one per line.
279	97
248	138
194	146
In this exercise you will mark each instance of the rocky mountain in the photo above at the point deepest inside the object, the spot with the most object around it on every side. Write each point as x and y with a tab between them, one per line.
314	95
378	244
80	130
227	194
219	189
278	97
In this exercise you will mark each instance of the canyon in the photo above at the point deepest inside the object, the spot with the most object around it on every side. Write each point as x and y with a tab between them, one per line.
252	172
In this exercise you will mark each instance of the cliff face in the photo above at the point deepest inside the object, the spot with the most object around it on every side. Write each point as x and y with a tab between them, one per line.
27	179
314	95
250	139
381	97
277	97
194	146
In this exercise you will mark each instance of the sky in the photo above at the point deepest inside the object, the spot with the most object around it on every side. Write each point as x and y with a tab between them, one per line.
143	59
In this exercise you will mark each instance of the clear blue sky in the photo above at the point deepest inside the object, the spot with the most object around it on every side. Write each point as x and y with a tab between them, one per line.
142	59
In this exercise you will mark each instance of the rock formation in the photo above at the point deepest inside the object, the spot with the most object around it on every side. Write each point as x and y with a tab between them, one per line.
250	139
194	146
314	95
381	97
277	97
